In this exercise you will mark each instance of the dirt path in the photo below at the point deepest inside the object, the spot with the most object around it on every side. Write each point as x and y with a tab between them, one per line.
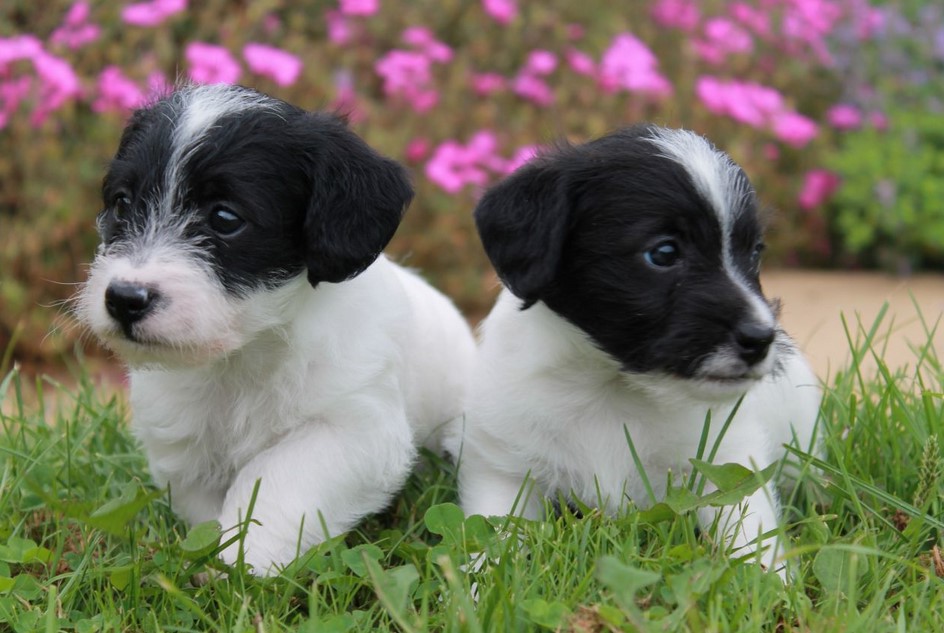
814	301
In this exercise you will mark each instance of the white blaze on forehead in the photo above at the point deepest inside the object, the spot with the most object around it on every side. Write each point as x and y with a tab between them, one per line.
198	109
722	184
717	177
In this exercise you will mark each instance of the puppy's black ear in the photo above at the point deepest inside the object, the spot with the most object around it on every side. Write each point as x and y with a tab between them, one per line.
358	198
523	222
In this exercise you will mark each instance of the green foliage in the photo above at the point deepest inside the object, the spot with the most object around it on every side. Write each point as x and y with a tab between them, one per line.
85	545
889	210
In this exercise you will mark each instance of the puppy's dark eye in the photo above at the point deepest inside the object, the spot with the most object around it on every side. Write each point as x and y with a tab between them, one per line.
758	251
665	254
121	205
224	222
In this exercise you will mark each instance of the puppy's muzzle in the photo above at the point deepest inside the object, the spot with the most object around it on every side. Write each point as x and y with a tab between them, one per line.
128	302
752	341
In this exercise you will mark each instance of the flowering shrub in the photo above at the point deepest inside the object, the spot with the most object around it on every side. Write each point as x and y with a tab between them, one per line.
463	91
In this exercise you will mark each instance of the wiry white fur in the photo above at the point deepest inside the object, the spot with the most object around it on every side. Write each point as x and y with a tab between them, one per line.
548	413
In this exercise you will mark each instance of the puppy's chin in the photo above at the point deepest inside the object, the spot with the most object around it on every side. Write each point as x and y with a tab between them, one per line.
720	378
152	354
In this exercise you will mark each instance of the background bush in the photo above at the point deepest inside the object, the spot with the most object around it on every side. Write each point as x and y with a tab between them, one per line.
798	91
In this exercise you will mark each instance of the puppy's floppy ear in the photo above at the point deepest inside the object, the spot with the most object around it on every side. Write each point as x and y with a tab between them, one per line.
523	222
358	198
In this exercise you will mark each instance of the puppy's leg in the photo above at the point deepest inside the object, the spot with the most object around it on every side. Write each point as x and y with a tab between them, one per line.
485	489
320	480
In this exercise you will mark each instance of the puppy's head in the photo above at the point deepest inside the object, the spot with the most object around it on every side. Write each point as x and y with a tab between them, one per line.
649	241
219	200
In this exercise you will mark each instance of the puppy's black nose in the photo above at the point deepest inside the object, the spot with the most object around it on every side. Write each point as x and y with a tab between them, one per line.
128	302
753	340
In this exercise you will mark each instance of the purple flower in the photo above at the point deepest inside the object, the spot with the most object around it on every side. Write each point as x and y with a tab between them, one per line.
540	62
453	165
280	66
521	156
58	84
116	93
580	62
151	13
721	38
423	39
210	64
18	47
75	30
502	11
359	7
533	88
12	93
339	28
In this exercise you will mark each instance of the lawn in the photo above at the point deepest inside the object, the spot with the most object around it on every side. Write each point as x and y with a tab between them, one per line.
87	544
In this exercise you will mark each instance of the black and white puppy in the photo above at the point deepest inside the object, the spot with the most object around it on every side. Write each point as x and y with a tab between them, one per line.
632	304
240	278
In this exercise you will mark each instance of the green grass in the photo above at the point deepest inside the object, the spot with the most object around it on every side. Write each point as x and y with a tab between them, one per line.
86	544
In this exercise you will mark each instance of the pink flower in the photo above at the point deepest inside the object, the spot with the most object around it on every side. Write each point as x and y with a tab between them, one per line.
540	62
454	165
59	83
151	13
679	14
575	31
423	39
12	93
756	19
878	120
345	100
484	84
18	47
359	7
502	11
794	129
417	149
210	64
843	117
534	89
580	62
818	186
280	66
408	75
339	29
75	30
722	37
116	93
630	65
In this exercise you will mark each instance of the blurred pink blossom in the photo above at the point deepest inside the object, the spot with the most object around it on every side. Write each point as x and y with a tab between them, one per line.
629	64
722	37
339	28
575	31
754	18
878	120
540	62
678	14
818	186
423	39
12	93
359	7
280	66
18	47
417	149
843	117
580	62
59	83
533	88
116	93
151	13
454	165
502	11
345	100
484	84
210	64
76	31
794	129
408	75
